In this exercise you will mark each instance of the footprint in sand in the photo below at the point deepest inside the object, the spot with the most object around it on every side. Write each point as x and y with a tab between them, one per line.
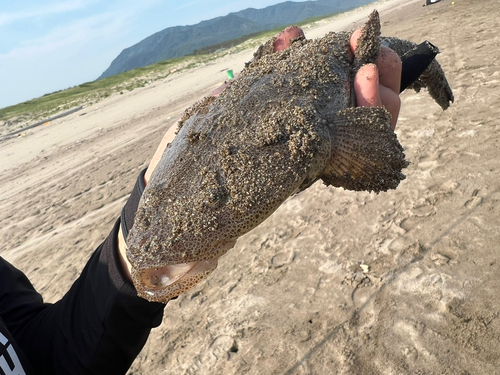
418	214
282	258
474	201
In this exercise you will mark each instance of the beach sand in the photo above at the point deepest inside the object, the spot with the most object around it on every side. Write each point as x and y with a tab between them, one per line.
335	282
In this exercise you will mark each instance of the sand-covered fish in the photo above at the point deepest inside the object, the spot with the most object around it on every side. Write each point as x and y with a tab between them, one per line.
286	122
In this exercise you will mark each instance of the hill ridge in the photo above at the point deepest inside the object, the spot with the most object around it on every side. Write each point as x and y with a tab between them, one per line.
179	41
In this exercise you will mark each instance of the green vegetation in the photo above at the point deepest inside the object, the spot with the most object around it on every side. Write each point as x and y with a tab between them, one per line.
89	93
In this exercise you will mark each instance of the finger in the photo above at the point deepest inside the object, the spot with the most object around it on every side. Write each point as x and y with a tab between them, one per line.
283	40
219	89
388	63
391	102
389	69
354	39
366	86
286	37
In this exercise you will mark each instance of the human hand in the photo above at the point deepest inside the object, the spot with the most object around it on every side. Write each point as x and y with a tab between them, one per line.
378	84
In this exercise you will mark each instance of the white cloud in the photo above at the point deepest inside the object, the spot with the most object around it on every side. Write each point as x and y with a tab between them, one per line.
100	29
81	31
70	52
7	18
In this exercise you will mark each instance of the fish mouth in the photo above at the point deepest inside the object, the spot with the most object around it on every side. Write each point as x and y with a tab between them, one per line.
160	278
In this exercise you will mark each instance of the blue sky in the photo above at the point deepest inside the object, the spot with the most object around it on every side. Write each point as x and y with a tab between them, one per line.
47	46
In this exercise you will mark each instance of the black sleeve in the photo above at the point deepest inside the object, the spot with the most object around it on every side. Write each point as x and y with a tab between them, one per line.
98	327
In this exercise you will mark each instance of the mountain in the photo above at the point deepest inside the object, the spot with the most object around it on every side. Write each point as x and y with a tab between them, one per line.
183	40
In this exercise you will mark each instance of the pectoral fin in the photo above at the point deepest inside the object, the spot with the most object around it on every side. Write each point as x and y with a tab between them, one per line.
432	78
366	154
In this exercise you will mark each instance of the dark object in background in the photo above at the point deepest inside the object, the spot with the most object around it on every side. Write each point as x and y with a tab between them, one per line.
415	62
430	2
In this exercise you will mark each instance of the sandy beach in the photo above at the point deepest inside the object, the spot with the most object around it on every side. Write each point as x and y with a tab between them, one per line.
334	282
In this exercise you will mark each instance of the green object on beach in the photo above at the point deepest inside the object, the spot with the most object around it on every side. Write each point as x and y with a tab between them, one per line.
230	74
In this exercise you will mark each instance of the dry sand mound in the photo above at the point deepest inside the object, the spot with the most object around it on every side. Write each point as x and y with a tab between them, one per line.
405	282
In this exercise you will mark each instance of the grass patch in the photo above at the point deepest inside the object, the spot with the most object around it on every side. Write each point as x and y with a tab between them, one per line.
88	92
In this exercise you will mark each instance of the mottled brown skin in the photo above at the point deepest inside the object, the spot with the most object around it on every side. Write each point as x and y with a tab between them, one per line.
287	121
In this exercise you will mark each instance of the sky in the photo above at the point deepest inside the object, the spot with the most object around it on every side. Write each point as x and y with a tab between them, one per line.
53	45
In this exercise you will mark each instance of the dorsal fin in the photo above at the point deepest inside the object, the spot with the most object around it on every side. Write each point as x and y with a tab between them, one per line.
368	46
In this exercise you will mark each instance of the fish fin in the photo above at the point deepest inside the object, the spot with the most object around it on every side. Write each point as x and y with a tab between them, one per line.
263	50
368	47
433	78
365	152
437	85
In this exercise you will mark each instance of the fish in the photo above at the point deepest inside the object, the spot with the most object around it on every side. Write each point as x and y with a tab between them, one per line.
287	121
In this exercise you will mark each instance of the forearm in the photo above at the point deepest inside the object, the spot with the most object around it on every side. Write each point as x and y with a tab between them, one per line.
98	327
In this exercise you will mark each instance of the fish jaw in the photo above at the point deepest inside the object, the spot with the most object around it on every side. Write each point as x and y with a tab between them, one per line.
161	284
